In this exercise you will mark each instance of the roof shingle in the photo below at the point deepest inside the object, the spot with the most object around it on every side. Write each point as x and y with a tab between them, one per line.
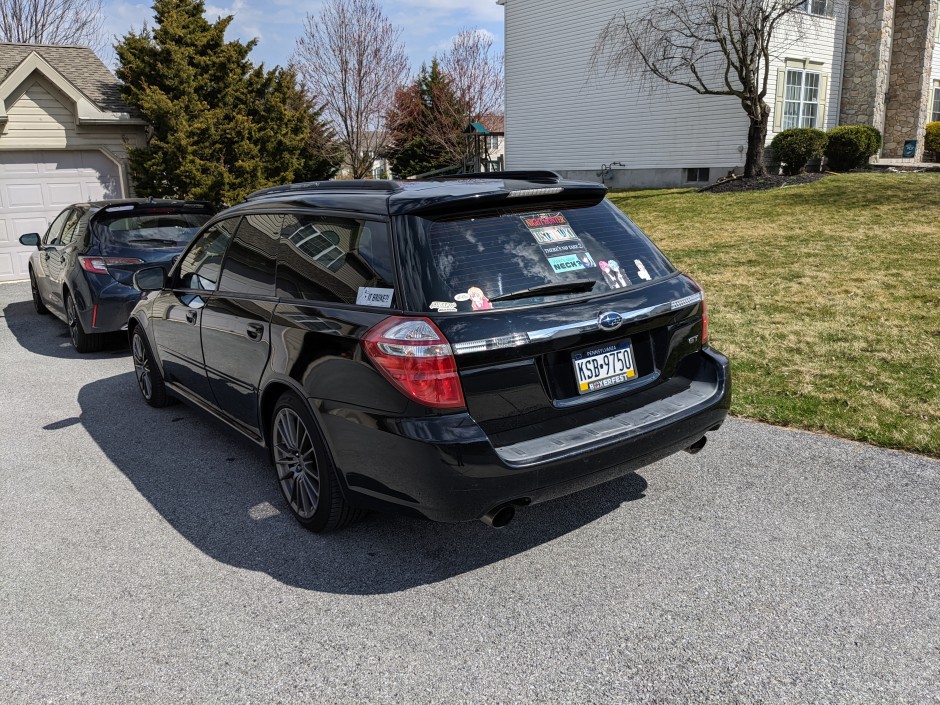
79	65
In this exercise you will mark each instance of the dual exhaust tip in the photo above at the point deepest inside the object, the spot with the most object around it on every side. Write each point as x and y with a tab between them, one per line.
500	516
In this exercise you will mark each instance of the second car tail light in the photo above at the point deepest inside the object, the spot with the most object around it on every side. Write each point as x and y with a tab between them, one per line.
416	358
99	265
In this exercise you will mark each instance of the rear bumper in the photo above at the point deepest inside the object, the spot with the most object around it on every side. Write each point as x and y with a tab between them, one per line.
114	302
445	468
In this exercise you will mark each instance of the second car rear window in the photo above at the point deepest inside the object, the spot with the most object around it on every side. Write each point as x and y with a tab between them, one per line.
463	264
149	230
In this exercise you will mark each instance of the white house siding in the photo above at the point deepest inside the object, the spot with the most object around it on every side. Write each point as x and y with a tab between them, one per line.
560	115
40	119
820	42
934	72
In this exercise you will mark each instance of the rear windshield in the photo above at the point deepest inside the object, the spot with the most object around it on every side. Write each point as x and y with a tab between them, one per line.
467	265
150	230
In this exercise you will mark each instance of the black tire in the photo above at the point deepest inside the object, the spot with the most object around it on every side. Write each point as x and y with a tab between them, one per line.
304	471
149	378
37	299
82	342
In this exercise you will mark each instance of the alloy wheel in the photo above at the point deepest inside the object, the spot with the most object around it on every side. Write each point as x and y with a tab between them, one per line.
71	315
296	463
142	366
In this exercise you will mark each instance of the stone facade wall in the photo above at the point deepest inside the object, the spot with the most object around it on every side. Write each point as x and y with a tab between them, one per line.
906	107
867	62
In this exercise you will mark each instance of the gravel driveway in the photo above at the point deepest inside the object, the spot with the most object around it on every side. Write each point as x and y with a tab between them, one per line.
146	557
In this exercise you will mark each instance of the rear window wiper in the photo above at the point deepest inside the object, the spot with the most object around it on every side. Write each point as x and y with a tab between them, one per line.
573	287
153	240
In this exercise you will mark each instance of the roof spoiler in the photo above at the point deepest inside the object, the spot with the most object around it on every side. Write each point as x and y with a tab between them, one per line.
334	185
124	206
506	199
536	176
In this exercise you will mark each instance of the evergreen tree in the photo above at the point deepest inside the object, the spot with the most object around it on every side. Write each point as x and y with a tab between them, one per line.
426	125
221	126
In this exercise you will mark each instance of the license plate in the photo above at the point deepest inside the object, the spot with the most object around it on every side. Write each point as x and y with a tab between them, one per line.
604	367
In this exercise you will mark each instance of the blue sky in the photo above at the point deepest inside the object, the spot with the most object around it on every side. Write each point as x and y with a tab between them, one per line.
427	25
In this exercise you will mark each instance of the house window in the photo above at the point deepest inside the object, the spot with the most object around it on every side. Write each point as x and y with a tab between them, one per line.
697	174
935	115
801	99
818	7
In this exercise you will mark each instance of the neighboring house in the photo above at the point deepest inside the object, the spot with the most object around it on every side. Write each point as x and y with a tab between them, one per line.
63	137
860	61
496	142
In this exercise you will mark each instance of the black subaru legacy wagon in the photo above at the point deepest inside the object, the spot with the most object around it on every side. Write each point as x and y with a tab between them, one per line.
453	349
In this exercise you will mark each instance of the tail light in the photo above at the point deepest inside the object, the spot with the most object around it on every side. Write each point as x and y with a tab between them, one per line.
99	265
704	314
416	358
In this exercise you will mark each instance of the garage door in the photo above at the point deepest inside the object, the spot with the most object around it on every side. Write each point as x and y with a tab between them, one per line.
36	185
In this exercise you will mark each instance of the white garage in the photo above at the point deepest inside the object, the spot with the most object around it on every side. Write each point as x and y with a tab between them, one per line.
36	185
64	133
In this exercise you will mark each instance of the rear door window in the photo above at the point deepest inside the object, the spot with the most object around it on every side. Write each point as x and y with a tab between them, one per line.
250	263
334	259
469	264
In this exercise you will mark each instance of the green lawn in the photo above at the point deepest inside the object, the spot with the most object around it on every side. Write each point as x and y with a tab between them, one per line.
826	297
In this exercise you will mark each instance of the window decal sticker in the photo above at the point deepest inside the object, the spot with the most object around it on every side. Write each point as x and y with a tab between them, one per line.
462	296
478	300
373	296
611	274
443	306
641	270
559	242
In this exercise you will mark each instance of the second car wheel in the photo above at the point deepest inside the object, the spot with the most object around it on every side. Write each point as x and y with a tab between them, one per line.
304	470
37	298
83	342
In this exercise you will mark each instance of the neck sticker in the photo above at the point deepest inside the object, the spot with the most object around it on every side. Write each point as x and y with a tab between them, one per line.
559	243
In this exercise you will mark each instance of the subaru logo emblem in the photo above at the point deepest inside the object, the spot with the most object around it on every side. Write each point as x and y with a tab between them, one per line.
609	320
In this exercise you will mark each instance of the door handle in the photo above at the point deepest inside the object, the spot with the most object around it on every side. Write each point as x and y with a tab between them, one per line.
191	316
255	331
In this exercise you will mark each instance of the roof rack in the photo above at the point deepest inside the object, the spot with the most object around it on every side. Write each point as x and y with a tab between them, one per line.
539	176
335	185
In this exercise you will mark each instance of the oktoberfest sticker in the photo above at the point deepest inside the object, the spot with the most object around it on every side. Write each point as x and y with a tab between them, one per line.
558	241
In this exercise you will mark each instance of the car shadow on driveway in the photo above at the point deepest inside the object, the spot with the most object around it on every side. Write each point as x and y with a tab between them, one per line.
217	489
47	335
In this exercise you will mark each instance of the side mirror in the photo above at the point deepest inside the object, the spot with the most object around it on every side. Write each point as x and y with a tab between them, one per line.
30	240
150	279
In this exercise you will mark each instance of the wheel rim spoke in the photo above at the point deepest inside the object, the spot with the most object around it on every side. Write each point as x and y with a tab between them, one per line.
142	367
295	462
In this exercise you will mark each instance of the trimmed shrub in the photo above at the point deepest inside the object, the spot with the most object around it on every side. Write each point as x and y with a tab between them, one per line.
796	146
850	146
932	139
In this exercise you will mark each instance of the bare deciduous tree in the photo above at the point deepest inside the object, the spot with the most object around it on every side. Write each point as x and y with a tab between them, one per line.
351	59
52	22
714	47
476	72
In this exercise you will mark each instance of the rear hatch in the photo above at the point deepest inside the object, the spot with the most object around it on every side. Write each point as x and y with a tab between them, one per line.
558	317
131	236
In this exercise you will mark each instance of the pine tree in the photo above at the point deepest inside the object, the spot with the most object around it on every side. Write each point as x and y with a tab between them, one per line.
426	125
221	127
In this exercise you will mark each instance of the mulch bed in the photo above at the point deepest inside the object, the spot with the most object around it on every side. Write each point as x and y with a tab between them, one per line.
762	183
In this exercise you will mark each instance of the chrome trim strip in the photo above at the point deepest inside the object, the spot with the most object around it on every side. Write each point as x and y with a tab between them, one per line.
518	339
693	299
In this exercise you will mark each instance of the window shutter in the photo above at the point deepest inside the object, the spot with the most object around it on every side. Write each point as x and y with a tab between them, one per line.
778	100
823	99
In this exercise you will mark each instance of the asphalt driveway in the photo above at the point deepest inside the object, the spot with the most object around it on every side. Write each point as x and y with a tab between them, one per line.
146	556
